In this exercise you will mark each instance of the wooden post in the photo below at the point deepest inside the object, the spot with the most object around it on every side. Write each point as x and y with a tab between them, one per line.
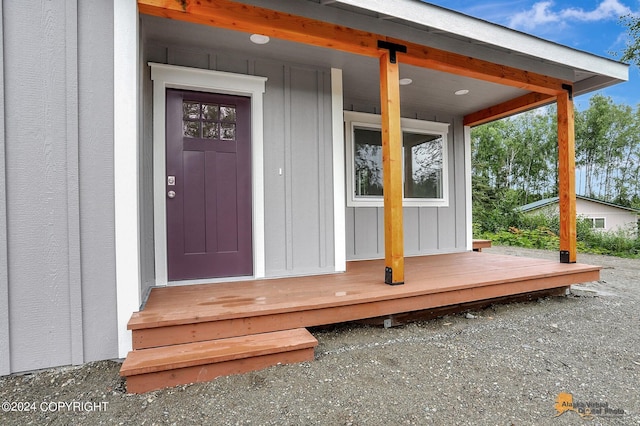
392	169
567	177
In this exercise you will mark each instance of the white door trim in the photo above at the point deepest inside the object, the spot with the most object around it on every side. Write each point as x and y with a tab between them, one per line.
177	77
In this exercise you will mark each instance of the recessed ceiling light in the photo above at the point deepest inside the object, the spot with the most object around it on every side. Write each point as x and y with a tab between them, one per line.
461	92
405	81
259	38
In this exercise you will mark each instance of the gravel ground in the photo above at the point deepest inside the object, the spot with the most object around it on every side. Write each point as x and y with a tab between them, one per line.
504	365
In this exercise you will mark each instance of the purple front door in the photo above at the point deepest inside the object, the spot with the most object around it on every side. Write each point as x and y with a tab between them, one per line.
208	185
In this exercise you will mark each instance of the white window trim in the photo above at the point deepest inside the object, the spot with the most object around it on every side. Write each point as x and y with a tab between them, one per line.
177	77
352	119
593	221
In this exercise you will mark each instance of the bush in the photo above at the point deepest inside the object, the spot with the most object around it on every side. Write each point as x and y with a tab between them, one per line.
540	231
615	243
540	238
493	211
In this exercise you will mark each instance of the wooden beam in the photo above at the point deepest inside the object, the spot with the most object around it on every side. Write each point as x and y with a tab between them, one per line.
231	15
392	170
567	178
467	66
252	19
514	106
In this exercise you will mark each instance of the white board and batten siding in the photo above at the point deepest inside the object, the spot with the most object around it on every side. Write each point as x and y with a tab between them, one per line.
57	291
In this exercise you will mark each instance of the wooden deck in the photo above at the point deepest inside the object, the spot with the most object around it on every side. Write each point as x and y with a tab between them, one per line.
181	315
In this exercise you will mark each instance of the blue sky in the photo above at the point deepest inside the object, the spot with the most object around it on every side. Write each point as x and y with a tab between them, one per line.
588	25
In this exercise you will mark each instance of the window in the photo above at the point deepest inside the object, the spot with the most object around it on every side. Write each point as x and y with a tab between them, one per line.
596	222
208	121
424	154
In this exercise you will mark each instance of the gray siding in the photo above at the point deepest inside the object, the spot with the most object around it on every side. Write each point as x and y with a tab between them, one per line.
97	222
147	259
298	203
5	353
427	230
297	140
58	227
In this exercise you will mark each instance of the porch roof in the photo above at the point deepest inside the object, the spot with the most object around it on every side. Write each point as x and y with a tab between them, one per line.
415	22
590	71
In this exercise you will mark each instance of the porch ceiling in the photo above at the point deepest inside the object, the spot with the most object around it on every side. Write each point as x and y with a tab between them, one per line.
431	90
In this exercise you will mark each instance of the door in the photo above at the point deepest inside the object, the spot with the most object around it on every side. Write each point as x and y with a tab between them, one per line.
208	185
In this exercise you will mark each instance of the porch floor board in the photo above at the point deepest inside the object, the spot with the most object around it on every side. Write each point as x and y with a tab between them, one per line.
459	276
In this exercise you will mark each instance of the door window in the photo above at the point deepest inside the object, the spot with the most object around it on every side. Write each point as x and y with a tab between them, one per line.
208	121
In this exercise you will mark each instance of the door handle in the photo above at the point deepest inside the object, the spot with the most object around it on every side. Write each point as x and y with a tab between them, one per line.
171	194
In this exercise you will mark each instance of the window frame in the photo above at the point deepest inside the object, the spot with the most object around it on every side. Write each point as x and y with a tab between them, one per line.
354	119
592	220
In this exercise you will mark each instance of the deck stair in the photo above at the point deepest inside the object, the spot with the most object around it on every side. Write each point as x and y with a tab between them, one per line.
165	366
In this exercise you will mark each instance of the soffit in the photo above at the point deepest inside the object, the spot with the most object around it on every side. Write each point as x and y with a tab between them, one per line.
430	90
403	22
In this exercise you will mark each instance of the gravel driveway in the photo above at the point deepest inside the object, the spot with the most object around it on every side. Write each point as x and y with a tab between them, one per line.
504	365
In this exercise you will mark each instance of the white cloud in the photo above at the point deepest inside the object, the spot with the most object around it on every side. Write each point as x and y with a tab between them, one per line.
539	14
608	9
542	13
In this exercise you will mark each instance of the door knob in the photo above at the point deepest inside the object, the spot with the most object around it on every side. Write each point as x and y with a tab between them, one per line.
171	194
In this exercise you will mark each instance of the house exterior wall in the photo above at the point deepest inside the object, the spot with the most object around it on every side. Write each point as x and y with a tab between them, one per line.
57	290
298	203
97	224
57	250
427	230
297	141
5	351
147	250
615	218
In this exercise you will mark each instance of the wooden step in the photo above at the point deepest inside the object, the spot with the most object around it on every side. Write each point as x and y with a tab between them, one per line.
156	368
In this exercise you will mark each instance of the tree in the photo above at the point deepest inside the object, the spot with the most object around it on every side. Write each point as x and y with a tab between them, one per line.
606	150
537	153
593	141
515	160
632	52
518	153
